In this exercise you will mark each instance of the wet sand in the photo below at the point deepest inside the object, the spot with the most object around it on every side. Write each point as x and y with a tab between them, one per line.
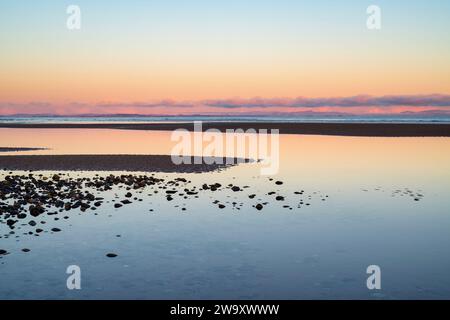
18	149
142	163
340	129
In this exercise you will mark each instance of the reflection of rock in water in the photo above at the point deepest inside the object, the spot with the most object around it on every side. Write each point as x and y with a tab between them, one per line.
28	201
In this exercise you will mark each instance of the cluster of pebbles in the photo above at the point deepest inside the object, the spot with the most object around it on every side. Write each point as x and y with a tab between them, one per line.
28	200
402	192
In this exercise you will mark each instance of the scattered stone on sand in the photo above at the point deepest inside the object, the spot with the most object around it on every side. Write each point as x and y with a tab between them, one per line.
27	196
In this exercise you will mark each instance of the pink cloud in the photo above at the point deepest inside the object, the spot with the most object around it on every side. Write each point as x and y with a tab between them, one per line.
395	104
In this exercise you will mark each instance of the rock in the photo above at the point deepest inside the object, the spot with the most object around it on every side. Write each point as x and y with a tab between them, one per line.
117	205
259	206
84	206
111	255
36	210
26	250
236	188
279	182
128	195
3	252
126	201
279	198
56	229
221	206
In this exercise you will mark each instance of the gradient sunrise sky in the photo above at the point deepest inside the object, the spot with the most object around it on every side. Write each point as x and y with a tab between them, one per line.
211	56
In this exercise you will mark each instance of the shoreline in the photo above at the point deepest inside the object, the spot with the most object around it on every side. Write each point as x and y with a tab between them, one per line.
131	163
335	129
19	149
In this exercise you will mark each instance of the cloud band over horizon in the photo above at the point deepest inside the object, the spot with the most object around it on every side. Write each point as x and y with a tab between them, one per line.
361	104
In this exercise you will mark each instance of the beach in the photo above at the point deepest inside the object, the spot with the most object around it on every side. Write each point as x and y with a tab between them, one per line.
339	129
143	163
224	157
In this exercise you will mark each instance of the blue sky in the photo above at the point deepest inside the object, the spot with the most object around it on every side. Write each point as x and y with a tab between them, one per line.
205	49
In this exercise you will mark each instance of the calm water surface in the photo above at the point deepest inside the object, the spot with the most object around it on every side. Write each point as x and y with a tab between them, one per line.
316	251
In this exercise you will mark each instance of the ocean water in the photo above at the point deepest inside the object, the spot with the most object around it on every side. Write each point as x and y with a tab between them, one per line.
402	118
362	211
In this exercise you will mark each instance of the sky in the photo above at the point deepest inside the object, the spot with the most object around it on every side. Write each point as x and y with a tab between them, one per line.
224	57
